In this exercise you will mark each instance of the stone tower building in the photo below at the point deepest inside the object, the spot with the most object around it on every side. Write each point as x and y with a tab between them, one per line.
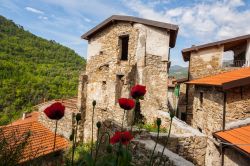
124	51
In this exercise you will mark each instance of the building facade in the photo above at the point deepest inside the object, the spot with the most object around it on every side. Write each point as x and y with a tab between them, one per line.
218	93
124	51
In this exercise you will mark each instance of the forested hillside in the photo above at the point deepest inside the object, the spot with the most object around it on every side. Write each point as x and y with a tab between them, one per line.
178	71
33	69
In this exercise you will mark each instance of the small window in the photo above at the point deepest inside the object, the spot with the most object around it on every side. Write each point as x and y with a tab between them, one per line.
123	40
201	99
200	130
104	85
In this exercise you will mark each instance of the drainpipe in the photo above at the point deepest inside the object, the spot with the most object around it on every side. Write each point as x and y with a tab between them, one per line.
187	90
223	126
224	111
168	63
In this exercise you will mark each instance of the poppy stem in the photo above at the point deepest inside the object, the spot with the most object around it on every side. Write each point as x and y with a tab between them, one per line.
157	138
55	137
97	145
166	143
74	145
118	153
123	118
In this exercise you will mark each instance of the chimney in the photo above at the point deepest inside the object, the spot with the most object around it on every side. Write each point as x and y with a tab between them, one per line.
24	115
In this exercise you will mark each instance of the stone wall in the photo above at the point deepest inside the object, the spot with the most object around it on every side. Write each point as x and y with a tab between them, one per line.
208	116
203	63
237	107
233	158
143	144
191	147
206	62
238	104
64	126
110	78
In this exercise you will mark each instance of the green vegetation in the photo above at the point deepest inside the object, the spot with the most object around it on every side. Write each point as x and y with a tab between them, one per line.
33	69
152	127
80	151
178	71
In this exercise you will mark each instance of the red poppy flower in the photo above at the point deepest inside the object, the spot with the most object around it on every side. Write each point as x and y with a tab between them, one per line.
138	91
126	104
55	111
123	137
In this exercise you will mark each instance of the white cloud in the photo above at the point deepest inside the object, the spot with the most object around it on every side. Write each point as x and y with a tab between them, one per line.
202	21
87	19
43	17
31	9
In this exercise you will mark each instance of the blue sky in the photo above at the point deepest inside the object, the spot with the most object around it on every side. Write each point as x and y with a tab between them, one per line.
64	21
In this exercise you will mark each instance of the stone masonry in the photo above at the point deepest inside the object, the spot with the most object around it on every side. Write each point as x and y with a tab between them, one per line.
110	78
208	116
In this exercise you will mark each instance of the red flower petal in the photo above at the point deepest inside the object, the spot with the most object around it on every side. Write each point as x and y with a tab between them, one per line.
55	111
126	104
123	137
138	91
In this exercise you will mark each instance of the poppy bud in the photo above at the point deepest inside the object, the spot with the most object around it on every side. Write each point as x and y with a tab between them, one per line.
98	124
78	117
172	113
71	137
94	103
158	122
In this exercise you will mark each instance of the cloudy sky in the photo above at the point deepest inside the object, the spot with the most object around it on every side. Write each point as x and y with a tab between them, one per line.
64	21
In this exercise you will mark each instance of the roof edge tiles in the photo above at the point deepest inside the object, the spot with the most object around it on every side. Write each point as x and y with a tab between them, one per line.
237	137
226	80
38	146
187	51
173	29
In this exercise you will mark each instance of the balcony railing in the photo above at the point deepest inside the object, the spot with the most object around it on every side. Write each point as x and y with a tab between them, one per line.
239	63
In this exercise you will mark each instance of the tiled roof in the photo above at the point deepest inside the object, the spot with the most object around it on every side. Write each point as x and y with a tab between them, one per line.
173	29
227	43
40	142
240	137
30	117
227	80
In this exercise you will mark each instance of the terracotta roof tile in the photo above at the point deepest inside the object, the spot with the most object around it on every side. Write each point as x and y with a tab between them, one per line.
236	136
30	117
40	142
227	80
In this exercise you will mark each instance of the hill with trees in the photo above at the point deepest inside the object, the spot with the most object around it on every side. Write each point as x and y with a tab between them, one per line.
33	69
178	71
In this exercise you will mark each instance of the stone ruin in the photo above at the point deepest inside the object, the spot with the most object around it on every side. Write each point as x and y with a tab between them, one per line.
124	51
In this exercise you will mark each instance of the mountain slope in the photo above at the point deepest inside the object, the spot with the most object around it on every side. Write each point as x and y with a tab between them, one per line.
178	71
33	69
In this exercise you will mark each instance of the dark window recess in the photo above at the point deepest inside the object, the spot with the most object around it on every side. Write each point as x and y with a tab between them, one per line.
124	47
199	129
201	98
183	116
